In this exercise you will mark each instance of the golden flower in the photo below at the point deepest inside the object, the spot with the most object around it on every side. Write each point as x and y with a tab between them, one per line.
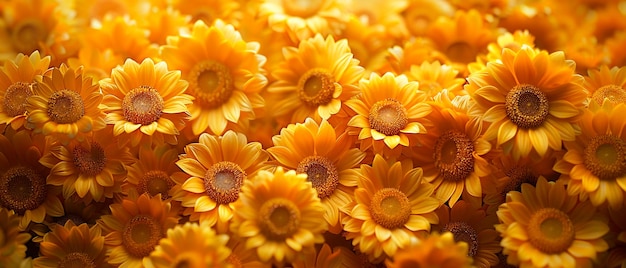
145	101
322	258
152	171
513	41
327	158
214	171
437	250
544	227
12	244
617	252
413	52
240	256
531	99
29	24
384	15
278	215
16	79
224	72
606	84
135	227
164	22
368	44
420	14
210	10
391	203
435	77
72	245
315	79
614	45
96	64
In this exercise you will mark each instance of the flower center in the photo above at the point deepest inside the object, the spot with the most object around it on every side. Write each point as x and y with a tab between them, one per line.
321	172
390	208
461	52
388	116
279	218
211	83
140	235
22	189
463	232
316	87
142	105
605	157
223	181
65	107
527	106
27	35
234	261
454	155
302	8
156	182
613	93
77	260
15	98
550	230
518	175
89	161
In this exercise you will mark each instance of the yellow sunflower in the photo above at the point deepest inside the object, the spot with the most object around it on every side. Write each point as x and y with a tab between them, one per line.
72	245
327	158
513	41
12	245
190	245
95	63
16	79
321	258
368	44
145	101
389	112
152	171
400	59
437	250
544	227
420	14
391	203
29	24
135	227
214	170
383	14
315	79
435	77
531	98
210	11
240	256
278	215
225	76
606	84
594	165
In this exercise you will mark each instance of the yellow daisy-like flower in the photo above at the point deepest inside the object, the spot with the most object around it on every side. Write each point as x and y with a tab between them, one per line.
594	165
190	245
12	244
531	99
322	258
135	227
606	84
214	170
400	59
368	44
65	105
16	79
435	77
95	63
152	172
240	256
544	227
70	245
29	24
316	150
514	41
437	250
225	76
420	14
278	215
145	101
211	10
383	14
391	203
316	78
388	111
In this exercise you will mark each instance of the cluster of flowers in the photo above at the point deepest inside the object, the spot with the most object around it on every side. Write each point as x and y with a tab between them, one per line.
321	133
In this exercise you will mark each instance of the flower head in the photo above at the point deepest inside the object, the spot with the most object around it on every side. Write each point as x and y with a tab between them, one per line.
437	250
12	248
72	244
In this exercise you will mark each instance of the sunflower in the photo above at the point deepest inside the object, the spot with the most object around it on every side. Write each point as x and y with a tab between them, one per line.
93	169
242	257
72	245
16	79
400	59
210	11
214	170
224	72
594	165
542	226
152	172
135	227
513	41
12	245
368	44
190	245
531	99
391	203
420	14
388	111
315	79
95	63
164	22
278	215
29	24
145	101
435	77
322	258
617	252
437	250
606	84
383	14
327	158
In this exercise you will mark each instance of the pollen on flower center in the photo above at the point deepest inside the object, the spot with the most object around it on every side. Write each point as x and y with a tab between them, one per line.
550	230
65	107
142	105
27	35
316	87
390	208
155	182
322	174
527	106
77	260
223	181
279	218
388	117
302	8
211	83
613	93
461	52
463	232
15	98
22	189
89	161
605	157
454	155
140	235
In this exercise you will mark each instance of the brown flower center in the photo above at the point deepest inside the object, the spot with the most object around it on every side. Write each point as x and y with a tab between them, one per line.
27	35
279	218
461	52
223	181
454	155
302	8
605	157
211	83
615	94
65	107
77	260
89	161
316	87
234	261
156	182
22	189
463	232
517	176
321	172
550	230
14	100
142	105
390	208
388	117
527	106
140	235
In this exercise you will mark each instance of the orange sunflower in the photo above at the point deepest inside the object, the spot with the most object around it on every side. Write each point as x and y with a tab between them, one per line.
544	227
211	10
152	171
435	77
437	250
391	204
316	150
29	25
531	98
384	15
315	79
240	256
322	258
12	245
214	170
604	83
420	14
16	79
145	101
513	41
225	76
